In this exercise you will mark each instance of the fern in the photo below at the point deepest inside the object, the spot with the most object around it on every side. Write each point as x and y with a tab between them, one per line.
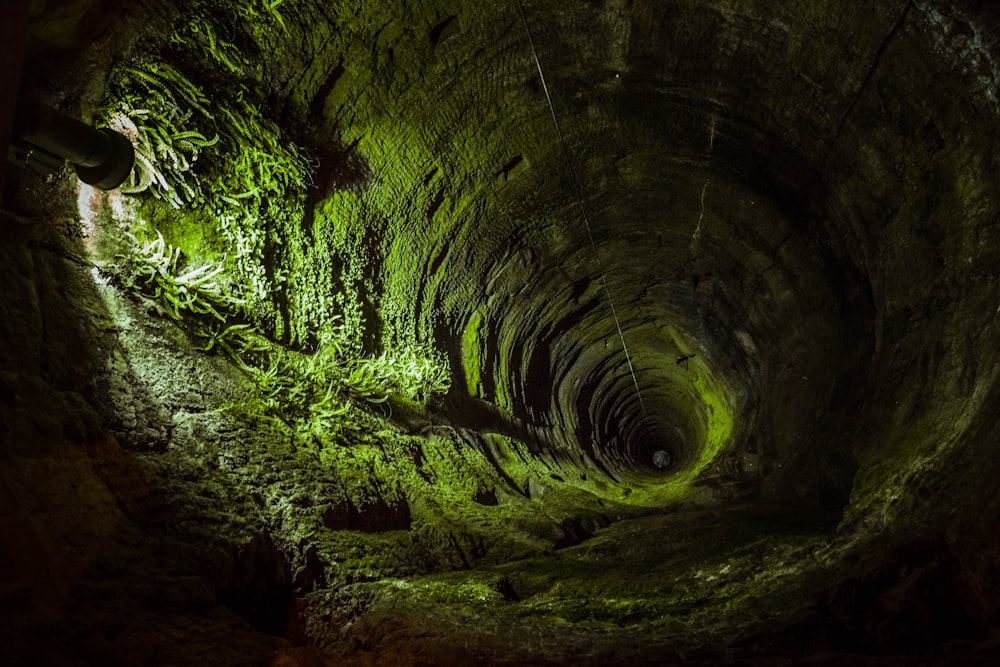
198	297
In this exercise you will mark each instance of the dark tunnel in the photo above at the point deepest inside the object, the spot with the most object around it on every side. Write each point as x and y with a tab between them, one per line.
610	332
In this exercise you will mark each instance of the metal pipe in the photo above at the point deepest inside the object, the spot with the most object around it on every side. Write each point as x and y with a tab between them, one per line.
101	157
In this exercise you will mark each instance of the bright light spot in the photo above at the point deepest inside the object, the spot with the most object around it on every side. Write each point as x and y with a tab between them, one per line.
98	276
119	211
95	205
119	122
89	203
661	458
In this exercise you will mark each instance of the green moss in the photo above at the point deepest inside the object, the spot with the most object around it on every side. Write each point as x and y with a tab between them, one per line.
226	188
198	297
718	409
227	168
357	323
162	112
471	353
740	568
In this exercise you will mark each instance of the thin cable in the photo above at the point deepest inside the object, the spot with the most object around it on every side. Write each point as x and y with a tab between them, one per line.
583	209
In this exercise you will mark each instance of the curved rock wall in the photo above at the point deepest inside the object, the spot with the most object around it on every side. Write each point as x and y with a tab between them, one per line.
718	297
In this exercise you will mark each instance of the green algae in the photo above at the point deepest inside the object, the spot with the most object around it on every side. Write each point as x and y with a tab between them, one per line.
471	353
340	282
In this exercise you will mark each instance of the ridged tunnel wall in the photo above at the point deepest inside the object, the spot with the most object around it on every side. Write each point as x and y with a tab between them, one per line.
716	282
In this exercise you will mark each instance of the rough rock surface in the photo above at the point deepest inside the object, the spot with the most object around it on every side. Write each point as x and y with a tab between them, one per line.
760	237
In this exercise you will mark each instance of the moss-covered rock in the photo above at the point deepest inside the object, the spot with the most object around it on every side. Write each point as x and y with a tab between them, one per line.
612	333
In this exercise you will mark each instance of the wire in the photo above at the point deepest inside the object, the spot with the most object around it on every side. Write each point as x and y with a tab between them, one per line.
583	209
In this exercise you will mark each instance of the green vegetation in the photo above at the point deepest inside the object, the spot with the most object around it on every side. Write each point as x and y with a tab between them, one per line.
727	566
224	220
200	33
212	28
251	175
310	391
162	129
471	353
319	317
197	297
